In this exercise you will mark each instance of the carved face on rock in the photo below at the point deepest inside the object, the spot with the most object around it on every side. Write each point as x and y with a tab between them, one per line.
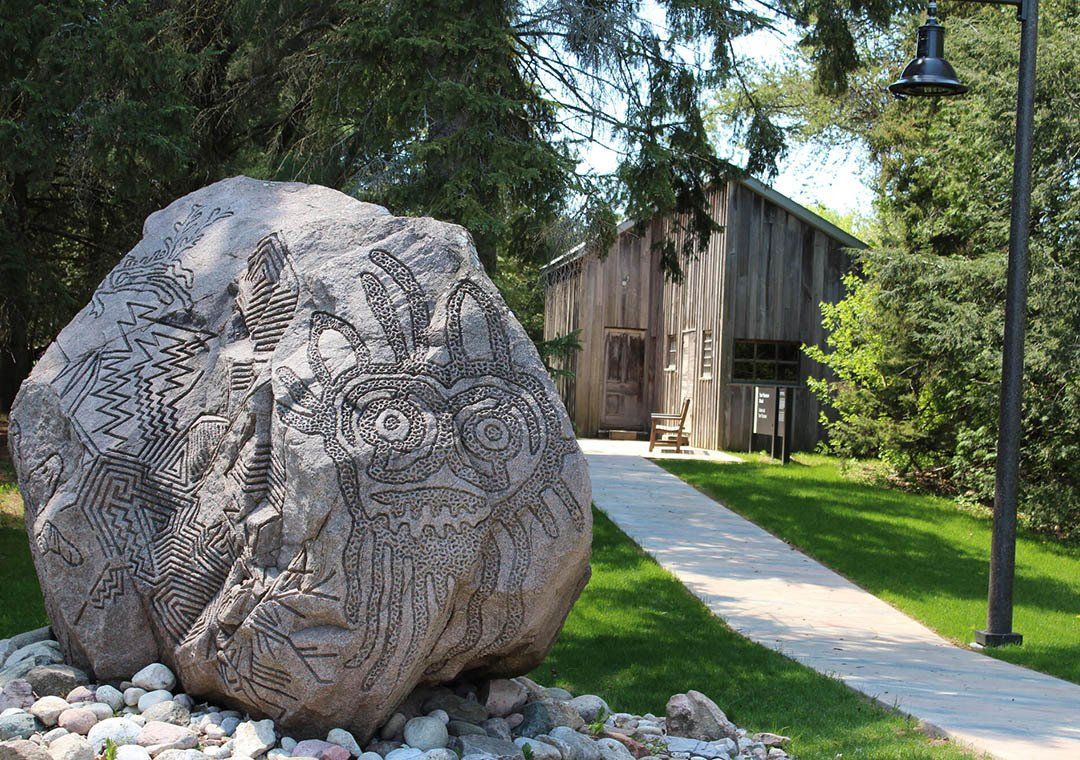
439	444
267	456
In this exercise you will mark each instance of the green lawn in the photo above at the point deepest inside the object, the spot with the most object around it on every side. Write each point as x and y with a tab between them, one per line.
637	636
919	553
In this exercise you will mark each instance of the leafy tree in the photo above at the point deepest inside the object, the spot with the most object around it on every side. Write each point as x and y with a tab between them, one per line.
472	111
916	345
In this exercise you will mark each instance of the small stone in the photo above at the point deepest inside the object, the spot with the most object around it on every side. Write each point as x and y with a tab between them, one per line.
132	695
696	748
154	677
23	750
16	693
31	637
498	728
56	680
253	737
48	709
288	744
77	720
370	756
503	696
776	753
381	748
441	715
168	711
536	691
772	740
405	753
343	738
151	698
590	707
52	735
39	652
185	701
219	753
540	750
181	754
111	696
158	736
696	716
540	717
458	708
394	728
613	749
514	720
99	709
440	753
572	745
489	747
80	694
311	748
426	733
18	726
121	730
554	692
71	747
461	728
229	724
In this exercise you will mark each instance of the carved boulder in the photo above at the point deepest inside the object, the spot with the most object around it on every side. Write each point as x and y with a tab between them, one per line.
299	450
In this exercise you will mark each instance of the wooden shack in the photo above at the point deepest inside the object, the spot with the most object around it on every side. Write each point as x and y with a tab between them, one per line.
737	320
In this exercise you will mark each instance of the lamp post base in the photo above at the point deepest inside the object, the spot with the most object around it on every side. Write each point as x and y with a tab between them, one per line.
988	639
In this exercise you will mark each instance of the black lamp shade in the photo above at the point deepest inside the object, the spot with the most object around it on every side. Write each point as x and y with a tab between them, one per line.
929	74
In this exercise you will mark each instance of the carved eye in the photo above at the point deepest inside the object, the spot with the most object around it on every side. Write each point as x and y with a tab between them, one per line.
398	423
491	433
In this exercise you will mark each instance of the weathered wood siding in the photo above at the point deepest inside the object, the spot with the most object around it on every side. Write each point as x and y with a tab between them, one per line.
597	293
762	278
692	305
781	270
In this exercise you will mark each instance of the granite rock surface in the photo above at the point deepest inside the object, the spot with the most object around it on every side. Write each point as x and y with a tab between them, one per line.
296	447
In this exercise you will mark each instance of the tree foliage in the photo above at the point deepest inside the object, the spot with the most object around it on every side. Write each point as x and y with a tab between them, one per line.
474	111
916	345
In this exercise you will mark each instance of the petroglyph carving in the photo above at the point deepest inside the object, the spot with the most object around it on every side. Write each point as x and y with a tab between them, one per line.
295	448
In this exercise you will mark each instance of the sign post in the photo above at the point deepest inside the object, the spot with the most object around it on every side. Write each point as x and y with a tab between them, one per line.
774	413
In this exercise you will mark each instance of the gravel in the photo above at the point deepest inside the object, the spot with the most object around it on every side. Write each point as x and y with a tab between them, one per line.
149	718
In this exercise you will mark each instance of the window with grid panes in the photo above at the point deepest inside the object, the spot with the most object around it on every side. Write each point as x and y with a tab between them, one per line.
765	361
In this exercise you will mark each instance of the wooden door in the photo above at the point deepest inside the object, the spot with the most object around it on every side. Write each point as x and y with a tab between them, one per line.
624	379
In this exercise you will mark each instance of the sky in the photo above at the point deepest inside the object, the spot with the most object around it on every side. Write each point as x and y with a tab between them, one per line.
809	174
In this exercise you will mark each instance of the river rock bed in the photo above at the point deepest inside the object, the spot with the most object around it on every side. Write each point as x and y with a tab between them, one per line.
50	711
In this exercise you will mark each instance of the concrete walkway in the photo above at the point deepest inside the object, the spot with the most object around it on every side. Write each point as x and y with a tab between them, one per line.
782	599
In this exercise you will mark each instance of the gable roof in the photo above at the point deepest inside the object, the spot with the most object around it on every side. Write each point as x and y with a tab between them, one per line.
797	210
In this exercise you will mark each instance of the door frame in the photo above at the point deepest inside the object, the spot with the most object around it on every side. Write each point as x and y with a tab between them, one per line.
644	334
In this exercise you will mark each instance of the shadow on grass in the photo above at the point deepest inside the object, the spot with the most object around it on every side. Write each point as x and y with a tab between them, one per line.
21	606
918	551
637	636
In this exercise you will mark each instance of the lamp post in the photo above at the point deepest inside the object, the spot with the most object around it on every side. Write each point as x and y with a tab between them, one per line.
929	74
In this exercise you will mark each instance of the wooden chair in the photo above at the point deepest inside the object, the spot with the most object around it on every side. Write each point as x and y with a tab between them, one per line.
668	427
